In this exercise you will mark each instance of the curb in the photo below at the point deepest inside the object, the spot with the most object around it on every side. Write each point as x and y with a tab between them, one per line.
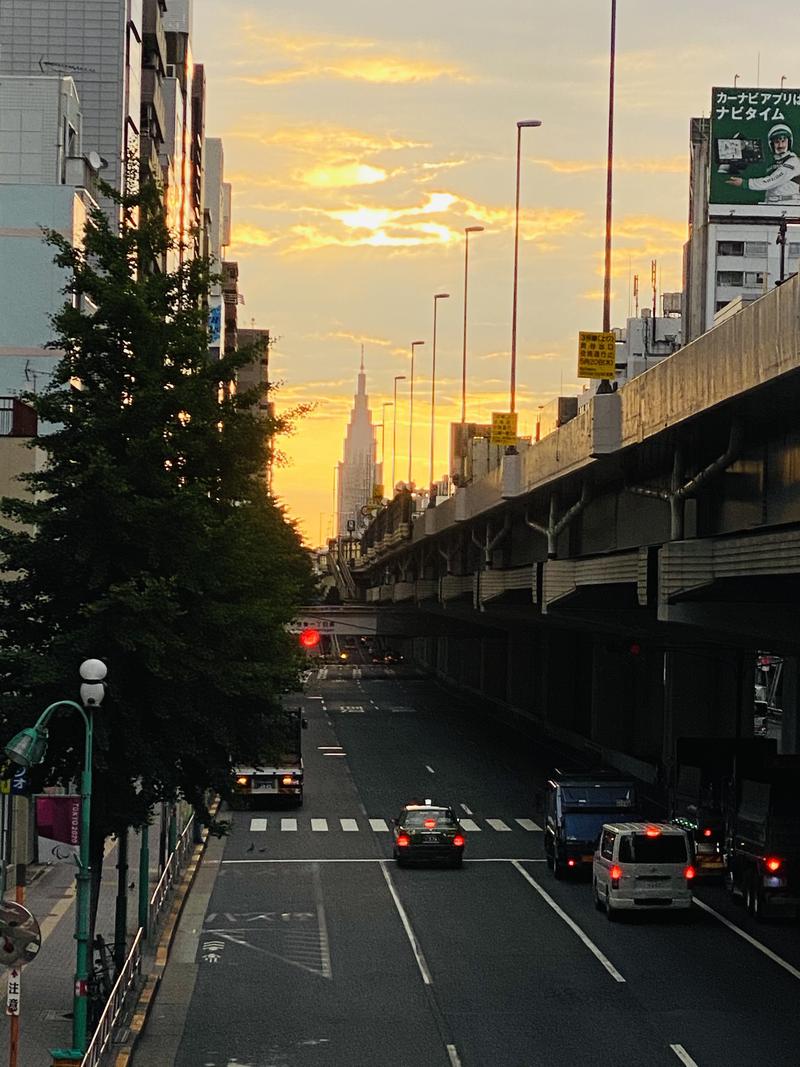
144	1002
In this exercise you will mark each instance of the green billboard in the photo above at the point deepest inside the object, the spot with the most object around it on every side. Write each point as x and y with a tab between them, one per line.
754	167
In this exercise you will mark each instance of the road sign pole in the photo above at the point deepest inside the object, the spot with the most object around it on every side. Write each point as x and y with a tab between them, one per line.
13	1029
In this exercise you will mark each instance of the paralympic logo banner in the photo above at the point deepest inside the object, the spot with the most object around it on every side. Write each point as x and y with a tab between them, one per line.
58	824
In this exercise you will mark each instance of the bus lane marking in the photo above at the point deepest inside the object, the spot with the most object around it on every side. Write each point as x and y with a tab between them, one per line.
584	937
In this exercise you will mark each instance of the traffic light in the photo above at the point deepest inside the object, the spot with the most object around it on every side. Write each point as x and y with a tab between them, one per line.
309	638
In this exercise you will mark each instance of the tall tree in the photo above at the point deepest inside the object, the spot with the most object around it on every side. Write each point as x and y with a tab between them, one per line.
148	538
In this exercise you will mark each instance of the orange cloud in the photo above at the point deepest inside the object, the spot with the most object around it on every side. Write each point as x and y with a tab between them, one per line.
673	165
343	175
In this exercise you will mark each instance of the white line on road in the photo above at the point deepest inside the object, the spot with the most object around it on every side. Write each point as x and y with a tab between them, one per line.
334	753
454	1057
372	859
606	962
257	825
427	768
683	1055
320	825
528	824
750	940
329	748
470	825
465	809
289	824
498	824
349	826
379	825
415	948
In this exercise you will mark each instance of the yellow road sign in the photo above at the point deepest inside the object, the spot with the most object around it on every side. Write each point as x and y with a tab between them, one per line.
504	428
597	354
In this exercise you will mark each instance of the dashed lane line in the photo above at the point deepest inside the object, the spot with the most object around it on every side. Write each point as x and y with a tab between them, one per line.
683	1055
350	826
528	824
319	825
257	825
471	826
498	824
465	809
289	825
379	826
595	951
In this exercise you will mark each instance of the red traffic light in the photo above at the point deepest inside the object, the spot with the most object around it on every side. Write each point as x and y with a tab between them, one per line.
309	638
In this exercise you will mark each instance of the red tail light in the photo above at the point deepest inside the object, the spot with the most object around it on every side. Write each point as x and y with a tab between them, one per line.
458	841
772	863
570	863
403	841
707	832
652	831
615	873
689	873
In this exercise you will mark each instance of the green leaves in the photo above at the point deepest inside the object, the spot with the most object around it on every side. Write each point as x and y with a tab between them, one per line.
148	538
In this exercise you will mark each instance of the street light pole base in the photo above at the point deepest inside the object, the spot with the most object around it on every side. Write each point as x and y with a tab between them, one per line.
64	1057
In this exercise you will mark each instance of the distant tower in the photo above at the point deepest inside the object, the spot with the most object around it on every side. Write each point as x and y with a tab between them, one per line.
357	469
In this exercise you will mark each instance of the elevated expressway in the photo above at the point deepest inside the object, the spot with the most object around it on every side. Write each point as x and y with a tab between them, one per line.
612	583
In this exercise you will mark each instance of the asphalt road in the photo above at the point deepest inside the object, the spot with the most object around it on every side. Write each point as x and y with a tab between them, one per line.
303	944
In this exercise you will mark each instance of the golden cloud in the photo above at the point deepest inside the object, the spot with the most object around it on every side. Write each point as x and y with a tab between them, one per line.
672	165
313	138
343	175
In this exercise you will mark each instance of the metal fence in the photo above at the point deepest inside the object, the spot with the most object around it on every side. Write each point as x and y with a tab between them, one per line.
171	873
128	980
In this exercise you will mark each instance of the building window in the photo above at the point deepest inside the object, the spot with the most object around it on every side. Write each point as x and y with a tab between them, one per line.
734	278
794	248
754	279
755	248
730	248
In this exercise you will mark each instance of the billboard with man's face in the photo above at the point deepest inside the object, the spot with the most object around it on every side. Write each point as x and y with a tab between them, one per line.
754	163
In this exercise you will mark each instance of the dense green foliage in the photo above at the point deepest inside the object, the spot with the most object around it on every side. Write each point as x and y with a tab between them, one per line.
149	539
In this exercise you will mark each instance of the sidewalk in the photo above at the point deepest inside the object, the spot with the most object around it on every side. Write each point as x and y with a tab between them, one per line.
46	1001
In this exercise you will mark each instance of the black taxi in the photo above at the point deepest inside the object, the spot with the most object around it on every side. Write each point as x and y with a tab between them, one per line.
426	832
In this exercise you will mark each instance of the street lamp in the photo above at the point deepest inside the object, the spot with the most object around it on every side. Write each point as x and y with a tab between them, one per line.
27	748
604	385
467	231
387	404
397	378
411	409
524	123
436	299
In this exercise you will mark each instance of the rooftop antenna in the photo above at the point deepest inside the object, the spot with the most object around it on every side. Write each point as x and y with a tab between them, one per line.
636	294
362	358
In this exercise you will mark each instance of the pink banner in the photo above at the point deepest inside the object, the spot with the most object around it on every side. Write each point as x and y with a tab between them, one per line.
59	818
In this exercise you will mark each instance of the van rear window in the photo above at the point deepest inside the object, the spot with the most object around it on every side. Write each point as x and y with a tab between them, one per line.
669	848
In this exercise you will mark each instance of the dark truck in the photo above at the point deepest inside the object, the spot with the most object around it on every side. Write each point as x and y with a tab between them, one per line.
279	772
576	806
763	838
704	791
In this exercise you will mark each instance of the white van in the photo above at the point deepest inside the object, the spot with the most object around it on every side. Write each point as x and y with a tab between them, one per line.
640	865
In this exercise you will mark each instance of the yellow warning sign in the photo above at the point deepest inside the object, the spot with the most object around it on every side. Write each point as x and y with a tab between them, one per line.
504	428
597	354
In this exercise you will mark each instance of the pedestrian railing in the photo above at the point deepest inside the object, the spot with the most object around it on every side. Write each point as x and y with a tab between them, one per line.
170	874
128	979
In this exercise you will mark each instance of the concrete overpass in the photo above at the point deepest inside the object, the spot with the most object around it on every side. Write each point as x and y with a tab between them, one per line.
613	582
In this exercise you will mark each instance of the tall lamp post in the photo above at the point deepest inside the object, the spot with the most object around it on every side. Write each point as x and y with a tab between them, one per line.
28	748
414	344
384	406
523	124
467	231
436	299
604	385
397	378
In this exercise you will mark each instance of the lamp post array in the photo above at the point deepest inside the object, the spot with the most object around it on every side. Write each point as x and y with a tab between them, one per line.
467	231
397	378
414	344
436	299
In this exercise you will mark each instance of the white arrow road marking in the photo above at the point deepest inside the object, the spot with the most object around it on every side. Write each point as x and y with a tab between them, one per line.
606	962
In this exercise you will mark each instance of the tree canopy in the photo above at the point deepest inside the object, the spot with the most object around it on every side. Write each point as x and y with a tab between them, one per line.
148	537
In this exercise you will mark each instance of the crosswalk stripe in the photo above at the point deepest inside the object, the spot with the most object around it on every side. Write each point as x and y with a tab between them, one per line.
498	824
257	824
319	824
288	824
468	824
528	824
379	825
349	825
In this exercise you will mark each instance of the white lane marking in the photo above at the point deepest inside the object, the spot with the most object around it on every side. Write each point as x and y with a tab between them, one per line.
528	824
314	698
289	824
473	827
320	825
454	1057
606	962
498	824
415	947
750	940
379	825
427	768
329	748
257	825
322	926
350	826
334	753
488	859
465	809
683	1055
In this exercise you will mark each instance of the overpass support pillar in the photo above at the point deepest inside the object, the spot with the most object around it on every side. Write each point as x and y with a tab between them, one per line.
708	692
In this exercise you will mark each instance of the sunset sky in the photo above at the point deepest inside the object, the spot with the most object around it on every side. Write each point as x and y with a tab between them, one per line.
361	138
